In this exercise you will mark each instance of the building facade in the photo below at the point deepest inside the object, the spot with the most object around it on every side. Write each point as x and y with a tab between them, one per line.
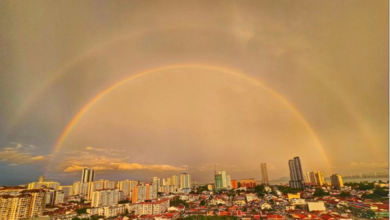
264	174
105	197
336	181
185	181
87	175
28	204
317	178
143	192
296	174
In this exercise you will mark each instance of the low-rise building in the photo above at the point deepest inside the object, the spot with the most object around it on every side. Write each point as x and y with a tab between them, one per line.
150	208
108	211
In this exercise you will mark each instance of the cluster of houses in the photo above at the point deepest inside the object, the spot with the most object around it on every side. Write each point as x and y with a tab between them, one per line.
245	205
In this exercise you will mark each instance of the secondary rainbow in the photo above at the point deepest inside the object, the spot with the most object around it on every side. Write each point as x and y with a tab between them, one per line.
85	109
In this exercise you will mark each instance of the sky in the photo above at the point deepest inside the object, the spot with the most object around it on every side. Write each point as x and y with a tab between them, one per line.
136	89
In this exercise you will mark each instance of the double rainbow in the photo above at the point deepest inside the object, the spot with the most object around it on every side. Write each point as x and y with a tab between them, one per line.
101	95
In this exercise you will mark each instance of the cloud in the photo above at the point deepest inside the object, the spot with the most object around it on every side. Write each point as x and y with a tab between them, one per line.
40	157
105	150
92	160
76	168
123	166
136	166
20	154
370	164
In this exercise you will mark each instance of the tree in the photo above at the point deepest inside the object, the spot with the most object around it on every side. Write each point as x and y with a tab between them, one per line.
199	217
177	202
123	201
381	192
344	194
320	193
286	189
203	188
378	194
81	211
126	213
259	189
369	214
361	185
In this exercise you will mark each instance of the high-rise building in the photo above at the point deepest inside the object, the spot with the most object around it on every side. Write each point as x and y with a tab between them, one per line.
264	174
306	177
50	196
234	184
84	189
317	178
143	192
336	181
224	178
222	181
249	183
105	197
175	182
42	183
93	186
76	188
185	182
108	184
27	204
296	174
228	182
88	175
67	191
126	187
218	182
59	197
156	182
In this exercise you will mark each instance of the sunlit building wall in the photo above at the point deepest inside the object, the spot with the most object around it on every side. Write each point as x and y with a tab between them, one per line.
296	174
87	175
337	181
264	174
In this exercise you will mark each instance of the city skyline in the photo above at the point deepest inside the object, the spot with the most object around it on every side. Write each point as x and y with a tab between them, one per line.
144	90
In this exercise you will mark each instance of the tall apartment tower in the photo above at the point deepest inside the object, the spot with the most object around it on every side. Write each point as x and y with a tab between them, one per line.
185	181
317	178
22	204
229	182
88	175
296	174
175	182
218	182
336	181
264	174
156	182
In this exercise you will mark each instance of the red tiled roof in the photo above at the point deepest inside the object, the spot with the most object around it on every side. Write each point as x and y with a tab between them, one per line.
224	213
274	216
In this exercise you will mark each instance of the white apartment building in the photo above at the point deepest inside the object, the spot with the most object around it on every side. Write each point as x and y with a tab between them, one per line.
105	197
